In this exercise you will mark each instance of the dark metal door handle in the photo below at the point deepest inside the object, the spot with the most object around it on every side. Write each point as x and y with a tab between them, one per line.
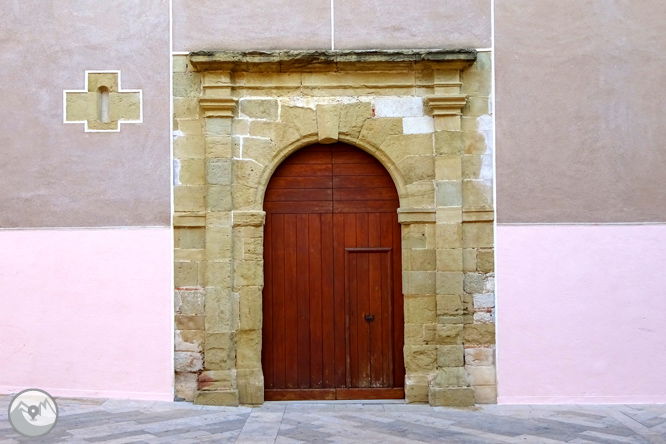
369	318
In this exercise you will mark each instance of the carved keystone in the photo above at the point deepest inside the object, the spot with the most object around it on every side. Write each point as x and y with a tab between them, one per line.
328	121
103	105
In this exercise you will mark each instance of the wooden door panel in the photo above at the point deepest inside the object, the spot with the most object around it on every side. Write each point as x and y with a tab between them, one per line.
331	240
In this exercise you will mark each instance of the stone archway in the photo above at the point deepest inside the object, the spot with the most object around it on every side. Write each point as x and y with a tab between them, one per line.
254	109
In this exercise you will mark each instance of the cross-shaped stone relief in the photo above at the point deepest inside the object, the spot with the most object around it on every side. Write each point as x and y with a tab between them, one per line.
103	105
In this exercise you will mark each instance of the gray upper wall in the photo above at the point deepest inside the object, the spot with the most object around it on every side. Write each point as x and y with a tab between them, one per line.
306	24
53	174
580	109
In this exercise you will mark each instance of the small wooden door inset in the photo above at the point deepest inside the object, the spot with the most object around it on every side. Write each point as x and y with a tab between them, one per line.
332	300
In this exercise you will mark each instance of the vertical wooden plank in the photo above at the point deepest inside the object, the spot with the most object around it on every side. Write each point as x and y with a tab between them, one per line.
363	301
340	311
303	300
386	229
375	273
351	307
291	301
315	300
267	307
328	302
398	307
279	325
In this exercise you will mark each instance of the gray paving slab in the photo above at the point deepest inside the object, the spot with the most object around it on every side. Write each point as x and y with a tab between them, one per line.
118	421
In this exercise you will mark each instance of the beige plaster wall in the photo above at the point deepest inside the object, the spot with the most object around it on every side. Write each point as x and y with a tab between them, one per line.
580	111
306	24
53	174
381	24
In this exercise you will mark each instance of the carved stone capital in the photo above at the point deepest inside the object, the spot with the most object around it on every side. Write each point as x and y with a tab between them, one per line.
449	105
217	106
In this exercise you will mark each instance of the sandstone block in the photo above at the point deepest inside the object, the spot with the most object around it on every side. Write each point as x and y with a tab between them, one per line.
481	374
218	146
450	334
186	107
303	119
248	172
419	259
414	236
218	274
414	334
186	84
250	386
485	394
191	303
450	259
186	386
328	120
449	305
221	310
419	195
185	362
250	302
449	282
352	117
448	168
186	274
448	143
400	146
398	106
218	397
180	63
240	127
189	127
248	273
259	108
217	380
282	134
469	259
476	82
183	322
477	235
220	351
189	340
420	358
420	309
249	349
258	149
479	334
217	126
189	198
418	282
453	397
450	356
246	197
473	283
219	198
189	147
450	377
485	260
478	193
375	131
480	356
448	193
449	235
417	168
416	388
418	125
190	238
218	171
218	242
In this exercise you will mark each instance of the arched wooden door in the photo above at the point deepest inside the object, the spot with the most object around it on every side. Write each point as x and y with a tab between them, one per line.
332	298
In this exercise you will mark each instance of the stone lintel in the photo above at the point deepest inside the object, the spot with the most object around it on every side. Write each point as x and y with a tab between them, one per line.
417	216
248	218
189	219
322	61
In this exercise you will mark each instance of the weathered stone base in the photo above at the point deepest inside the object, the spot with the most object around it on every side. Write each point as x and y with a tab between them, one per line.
221	397
453	397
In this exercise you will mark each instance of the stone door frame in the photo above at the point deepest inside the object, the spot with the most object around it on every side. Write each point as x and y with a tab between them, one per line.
254	110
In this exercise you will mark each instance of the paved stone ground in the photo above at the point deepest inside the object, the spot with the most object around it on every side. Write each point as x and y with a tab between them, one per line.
100	420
